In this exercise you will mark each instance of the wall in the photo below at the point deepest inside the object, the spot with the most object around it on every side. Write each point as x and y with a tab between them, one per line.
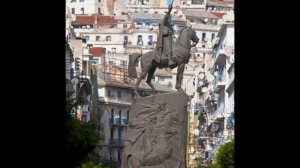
76	46
90	6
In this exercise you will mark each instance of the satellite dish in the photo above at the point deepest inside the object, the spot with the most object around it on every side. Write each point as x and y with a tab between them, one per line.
216	73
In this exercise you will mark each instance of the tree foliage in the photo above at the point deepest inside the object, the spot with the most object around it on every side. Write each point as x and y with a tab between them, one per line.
208	166
81	137
225	155
94	159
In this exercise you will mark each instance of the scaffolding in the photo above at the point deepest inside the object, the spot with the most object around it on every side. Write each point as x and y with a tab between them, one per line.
111	72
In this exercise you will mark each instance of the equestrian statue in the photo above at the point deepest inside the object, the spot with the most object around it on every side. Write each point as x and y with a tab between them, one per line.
167	53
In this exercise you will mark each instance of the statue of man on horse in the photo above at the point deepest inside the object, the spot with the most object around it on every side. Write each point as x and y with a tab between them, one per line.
164	55
164	40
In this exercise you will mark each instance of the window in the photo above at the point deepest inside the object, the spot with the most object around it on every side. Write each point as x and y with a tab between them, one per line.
161	78
124	26
99	1
108	92
73	11
119	118
99	11
108	38
135	11
156	12
81	0
120	133
125	40
116	118
112	133
82	10
196	1
124	63
99	128
119	155
111	62
127	114
212	36
73	1
113	50
97	38
145	11
87	38
112	116
140	40
203	37
150	40
119	94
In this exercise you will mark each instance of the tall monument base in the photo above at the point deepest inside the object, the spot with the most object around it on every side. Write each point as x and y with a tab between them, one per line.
157	132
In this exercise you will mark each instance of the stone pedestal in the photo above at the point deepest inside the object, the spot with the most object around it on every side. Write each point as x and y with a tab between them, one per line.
157	132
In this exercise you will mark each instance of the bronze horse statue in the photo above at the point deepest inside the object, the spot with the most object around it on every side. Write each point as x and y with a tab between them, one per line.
181	53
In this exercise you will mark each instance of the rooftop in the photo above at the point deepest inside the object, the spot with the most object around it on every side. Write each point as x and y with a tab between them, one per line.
84	19
224	3
199	14
219	15
154	16
96	51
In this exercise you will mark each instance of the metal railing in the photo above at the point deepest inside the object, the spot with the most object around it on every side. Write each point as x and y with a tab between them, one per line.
119	142
118	121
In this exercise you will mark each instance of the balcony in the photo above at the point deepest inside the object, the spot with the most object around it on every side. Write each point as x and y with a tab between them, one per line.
205	27
219	55
115	100
220	110
104	42
199	108
192	6
219	82
118	122
104	31
116	142
220	86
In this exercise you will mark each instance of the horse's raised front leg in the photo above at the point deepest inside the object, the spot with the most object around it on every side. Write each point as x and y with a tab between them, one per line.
142	76
134	162
179	76
149	78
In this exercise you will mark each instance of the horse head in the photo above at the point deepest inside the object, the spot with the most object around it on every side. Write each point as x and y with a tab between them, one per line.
186	35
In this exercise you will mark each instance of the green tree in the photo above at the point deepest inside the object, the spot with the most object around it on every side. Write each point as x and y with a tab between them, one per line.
91	165
94	159
81	138
225	155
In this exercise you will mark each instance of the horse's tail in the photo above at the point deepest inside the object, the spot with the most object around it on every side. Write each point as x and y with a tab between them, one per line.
133	62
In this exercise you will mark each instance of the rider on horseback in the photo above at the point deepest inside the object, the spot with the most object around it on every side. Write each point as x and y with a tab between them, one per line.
164	45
